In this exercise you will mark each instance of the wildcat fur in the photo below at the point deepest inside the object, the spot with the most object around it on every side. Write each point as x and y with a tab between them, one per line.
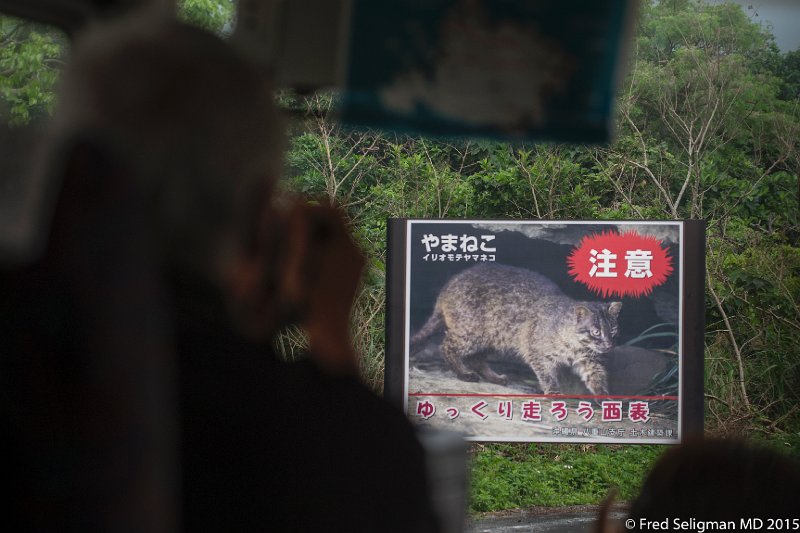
497	308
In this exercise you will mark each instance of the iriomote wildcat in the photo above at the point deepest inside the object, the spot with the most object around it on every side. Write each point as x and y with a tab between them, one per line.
503	309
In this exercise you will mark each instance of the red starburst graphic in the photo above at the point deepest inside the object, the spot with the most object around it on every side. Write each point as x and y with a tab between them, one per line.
620	264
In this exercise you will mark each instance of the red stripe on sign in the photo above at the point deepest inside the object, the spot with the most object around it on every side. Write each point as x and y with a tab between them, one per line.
487	395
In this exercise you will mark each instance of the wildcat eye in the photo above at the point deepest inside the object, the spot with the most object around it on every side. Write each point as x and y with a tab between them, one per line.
595	333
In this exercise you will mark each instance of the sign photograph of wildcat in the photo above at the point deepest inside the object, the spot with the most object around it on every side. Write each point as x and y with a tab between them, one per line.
517	312
546	331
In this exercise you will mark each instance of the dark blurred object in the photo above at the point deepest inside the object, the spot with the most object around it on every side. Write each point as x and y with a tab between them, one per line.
72	15
513	69
274	446
138	386
718	480
299	41
447	456
26	196
27	188
86	372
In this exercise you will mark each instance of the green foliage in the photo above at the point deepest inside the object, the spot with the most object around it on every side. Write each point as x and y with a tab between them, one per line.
788	443
507	476
213	15
788	71
758	281
30	58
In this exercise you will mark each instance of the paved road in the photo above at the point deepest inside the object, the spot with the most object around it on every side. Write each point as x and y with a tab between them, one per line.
520	522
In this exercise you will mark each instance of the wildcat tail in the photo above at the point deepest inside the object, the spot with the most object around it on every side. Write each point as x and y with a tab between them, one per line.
433	324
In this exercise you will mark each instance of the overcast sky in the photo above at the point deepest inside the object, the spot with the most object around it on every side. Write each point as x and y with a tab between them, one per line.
783	15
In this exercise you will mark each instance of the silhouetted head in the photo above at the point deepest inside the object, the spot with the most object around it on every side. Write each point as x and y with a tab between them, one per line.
188	119
719	480
597	324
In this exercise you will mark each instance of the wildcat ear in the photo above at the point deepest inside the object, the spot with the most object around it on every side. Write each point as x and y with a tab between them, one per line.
614	308
581	312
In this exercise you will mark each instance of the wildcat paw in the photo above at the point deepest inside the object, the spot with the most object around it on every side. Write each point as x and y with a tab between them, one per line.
601	396
499	379
490	375
469	376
